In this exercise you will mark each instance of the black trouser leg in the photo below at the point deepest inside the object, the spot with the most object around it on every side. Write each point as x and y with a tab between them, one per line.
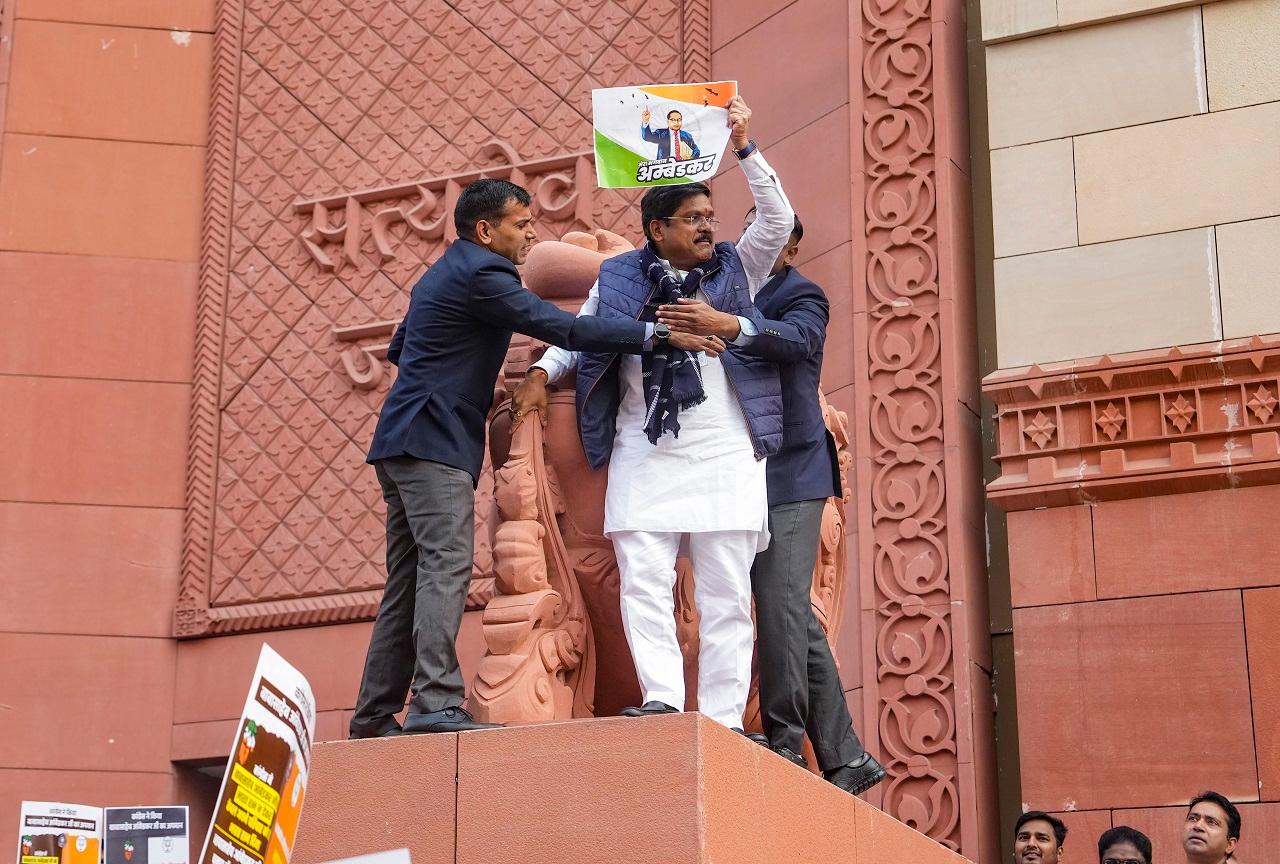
800	687
430	536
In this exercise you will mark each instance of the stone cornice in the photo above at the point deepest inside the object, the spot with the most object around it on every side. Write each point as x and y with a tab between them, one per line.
1155	422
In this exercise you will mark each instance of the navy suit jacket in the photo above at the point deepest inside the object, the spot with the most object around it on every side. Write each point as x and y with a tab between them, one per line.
792	335
662	137
451	346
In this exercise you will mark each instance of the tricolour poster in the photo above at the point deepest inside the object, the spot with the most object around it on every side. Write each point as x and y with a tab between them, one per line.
660	133
256	817
146	835
53	833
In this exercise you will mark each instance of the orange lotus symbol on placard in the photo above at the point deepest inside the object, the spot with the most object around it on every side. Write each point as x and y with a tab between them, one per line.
247	741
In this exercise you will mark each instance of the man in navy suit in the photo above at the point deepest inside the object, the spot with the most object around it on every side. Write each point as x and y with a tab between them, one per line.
666	138
429	445
800	687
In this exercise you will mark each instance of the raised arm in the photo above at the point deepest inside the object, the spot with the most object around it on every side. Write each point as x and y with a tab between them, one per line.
768	234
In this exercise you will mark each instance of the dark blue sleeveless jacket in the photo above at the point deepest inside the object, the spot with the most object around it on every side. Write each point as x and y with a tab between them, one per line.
624	289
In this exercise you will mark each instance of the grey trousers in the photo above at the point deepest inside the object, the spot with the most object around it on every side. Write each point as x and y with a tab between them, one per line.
800	687
430	539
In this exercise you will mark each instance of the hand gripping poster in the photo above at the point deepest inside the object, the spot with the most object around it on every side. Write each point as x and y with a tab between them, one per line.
53	833
256	817
660	133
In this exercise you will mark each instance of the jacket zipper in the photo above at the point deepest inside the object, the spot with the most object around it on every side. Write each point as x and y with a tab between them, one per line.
616	357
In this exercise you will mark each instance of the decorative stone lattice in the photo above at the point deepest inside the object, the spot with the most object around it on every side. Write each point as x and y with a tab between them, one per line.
322	99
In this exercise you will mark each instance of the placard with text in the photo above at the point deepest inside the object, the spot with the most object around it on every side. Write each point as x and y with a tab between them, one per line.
50	832
657	134
256	817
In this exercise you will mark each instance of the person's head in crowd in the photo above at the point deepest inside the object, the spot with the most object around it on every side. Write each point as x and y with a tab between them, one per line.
789	252
1038	838
1211	830
1124	845
680	223
495	214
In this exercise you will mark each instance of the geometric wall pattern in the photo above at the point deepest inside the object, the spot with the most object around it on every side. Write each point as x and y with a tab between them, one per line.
333	98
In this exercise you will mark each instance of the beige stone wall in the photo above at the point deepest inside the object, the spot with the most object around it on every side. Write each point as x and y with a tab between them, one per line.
1135	173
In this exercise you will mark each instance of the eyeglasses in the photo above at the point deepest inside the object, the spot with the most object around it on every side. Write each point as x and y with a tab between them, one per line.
1123	861
697	221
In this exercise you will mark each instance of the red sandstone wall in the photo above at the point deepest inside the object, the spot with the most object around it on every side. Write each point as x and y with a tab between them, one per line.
100	206
100	228
1147	661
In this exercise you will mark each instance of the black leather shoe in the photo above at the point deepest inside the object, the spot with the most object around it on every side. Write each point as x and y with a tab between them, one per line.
753	736
448	720
650	708
791	756
384	729
858	776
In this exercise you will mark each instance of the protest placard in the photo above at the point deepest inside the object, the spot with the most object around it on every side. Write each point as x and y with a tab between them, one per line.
146	835
660	133
256	818
53	833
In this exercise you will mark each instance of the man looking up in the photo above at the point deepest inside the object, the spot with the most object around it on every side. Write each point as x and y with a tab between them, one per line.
684	434
1038	838
1124	845
799	684
428	447
1211	830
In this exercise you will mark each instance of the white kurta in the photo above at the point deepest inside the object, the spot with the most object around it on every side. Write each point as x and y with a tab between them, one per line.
708	479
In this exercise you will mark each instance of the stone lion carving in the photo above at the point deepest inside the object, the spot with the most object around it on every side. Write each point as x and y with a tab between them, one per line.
553	629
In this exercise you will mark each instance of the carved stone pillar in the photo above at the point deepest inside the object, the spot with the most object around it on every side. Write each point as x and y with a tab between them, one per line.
919	517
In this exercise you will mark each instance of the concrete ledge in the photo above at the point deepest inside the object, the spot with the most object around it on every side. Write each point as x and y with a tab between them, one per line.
664	789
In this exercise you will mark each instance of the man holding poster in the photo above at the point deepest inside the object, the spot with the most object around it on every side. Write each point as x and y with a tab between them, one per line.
685	433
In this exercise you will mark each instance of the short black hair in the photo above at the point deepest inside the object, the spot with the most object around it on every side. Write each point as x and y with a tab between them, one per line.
661	201
1059	830
1233	815
674	111
485	200
1124	834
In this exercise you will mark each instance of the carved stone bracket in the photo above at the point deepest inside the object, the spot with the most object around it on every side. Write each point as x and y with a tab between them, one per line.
540	663
1151	422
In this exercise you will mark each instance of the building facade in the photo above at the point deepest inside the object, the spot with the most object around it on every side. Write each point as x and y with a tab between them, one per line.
211	212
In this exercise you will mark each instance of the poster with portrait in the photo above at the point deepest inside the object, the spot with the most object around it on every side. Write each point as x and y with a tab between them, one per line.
50	832
146	835
660	133
256	818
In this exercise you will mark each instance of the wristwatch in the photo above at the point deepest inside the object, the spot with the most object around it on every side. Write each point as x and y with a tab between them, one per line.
661	331
746	151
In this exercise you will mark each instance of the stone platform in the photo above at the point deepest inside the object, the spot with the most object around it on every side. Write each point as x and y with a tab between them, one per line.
659	790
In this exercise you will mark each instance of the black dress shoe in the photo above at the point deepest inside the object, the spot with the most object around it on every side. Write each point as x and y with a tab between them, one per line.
385	729
858	776
791	756
753	736
650	708
448	720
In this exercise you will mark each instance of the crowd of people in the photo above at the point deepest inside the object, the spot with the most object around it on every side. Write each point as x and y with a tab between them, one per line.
1210	833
